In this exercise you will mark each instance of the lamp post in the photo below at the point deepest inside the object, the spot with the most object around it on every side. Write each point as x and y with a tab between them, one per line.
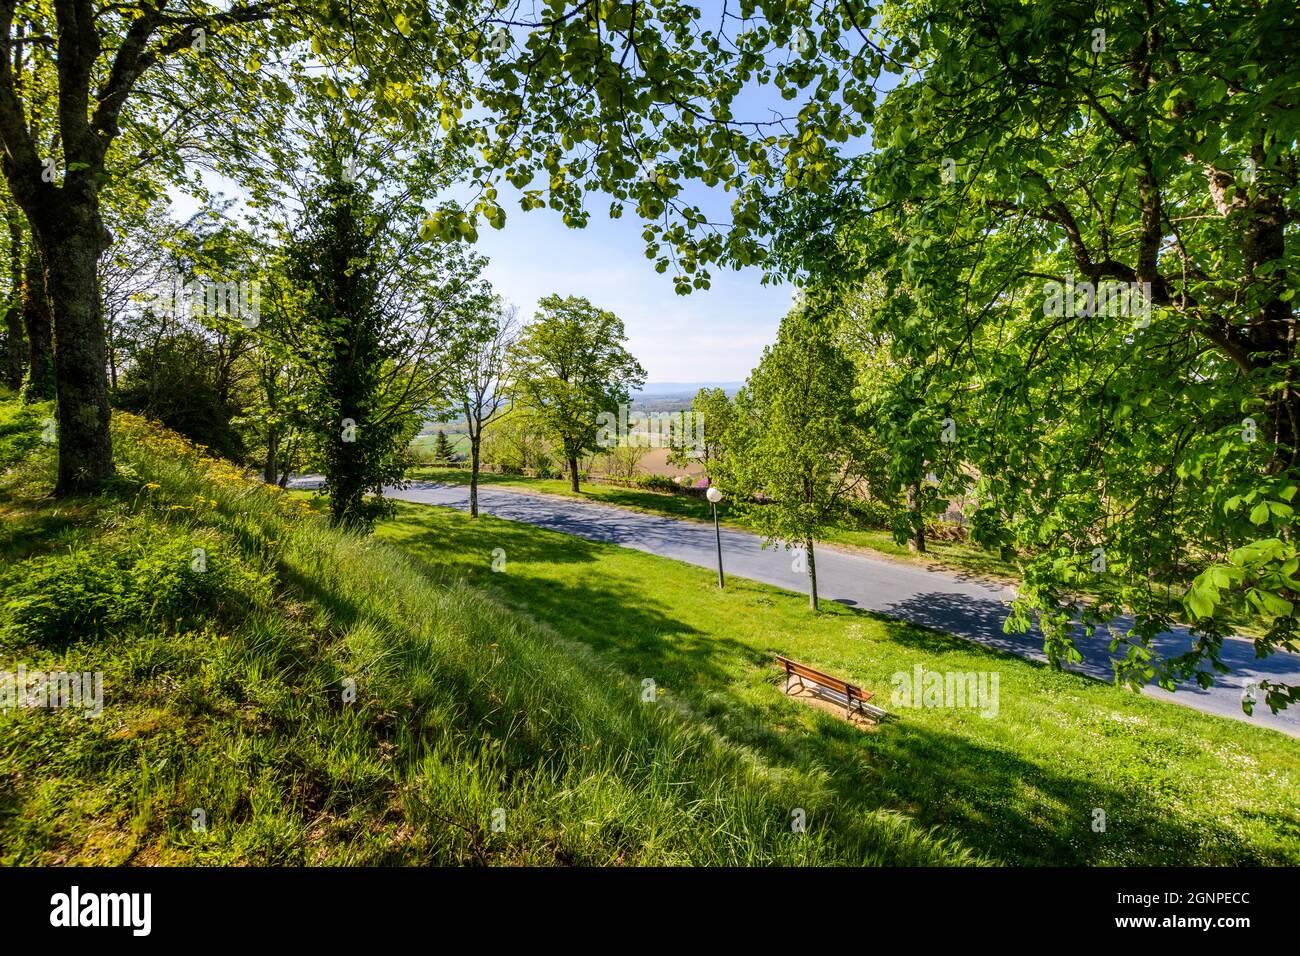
714	496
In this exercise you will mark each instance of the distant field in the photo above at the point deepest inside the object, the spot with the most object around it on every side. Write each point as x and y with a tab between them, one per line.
423	444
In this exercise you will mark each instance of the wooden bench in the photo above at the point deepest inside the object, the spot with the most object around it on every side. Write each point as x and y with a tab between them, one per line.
852	697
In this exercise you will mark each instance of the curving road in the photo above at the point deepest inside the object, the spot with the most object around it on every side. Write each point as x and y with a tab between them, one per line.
949	601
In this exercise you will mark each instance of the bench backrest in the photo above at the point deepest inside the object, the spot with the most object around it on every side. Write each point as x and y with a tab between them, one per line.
826	680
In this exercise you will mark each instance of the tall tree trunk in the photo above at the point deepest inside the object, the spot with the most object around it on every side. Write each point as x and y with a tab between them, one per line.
39	322
15	345
573	472
917	541
110	342
71	240
347	476
16	337
812	575
473	474
269	474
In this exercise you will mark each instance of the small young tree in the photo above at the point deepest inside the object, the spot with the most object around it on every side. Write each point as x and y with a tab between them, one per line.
441	448
709	416
570	365
515	440
796	440
624	461
479	385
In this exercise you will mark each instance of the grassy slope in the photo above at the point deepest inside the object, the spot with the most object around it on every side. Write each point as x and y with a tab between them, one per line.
1177	786
223	692
947	554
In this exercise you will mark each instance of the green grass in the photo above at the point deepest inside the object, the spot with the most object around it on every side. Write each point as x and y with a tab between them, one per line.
1177	786
522	691
955	555
424	444
226	694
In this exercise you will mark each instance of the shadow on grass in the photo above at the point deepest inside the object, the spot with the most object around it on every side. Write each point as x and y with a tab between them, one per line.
992	800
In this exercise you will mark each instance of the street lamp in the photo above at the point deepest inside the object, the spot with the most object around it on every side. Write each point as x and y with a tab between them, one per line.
714	496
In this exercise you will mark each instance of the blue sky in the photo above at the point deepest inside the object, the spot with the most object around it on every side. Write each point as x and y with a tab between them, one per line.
715	335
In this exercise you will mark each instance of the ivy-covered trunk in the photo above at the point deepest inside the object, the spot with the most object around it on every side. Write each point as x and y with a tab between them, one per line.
269	472
15	333
72	240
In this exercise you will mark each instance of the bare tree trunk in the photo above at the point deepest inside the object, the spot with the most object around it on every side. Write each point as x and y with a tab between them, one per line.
916	542
473	474
110	342
812	575
573	472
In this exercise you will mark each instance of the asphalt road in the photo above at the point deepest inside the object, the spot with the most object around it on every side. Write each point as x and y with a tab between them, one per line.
949	601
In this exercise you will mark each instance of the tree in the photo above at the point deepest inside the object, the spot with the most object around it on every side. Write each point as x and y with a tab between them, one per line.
1084	223
623	461
15	334
710	416
480	385
516	441
569	365
378	333
631	99
89	61
797	449
334	264
441	449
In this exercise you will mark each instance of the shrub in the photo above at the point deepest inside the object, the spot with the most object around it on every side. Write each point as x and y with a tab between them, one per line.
174	381
656	483
96	587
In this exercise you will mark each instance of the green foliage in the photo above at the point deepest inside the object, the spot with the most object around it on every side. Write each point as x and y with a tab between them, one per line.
442	448
712	407
656	483
174	380
1125	451
362	441
141	577
515	442
569	366
797	450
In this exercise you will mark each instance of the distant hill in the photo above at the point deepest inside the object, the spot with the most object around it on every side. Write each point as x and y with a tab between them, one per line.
663	389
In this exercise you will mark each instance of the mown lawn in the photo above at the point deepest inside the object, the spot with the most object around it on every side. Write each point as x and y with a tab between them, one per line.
1176	786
